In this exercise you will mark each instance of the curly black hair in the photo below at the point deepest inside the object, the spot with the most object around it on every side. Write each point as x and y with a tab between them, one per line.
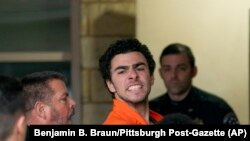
122	46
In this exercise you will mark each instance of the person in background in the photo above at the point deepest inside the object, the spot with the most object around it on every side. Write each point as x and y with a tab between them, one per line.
127	68
12	119
47	99
177	70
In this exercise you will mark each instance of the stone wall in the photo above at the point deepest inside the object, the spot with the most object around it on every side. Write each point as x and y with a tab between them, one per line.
102	22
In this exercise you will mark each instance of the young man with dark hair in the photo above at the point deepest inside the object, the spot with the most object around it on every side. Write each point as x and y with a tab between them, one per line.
127	68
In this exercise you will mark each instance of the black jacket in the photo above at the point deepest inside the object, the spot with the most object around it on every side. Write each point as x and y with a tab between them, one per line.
201	106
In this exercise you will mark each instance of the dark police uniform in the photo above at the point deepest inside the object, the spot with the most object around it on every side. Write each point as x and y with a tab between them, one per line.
201	106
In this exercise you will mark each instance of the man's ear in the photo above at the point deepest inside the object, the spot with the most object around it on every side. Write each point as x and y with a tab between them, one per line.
40	109
194	71
160	72
20	128
152	80
110	86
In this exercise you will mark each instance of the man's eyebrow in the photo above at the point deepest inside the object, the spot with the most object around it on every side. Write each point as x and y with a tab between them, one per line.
65	94
120	67
134	65
181	64
139	64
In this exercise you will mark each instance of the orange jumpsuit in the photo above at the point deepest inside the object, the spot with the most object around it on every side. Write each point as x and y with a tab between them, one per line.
123	114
